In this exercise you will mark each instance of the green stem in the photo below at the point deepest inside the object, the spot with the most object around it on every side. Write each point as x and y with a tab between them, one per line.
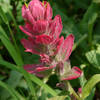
41	88
72	91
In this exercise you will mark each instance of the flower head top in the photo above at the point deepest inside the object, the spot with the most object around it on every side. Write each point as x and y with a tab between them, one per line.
37	10
38	19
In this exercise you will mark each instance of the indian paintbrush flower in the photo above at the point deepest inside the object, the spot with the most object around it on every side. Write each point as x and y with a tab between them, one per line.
43	39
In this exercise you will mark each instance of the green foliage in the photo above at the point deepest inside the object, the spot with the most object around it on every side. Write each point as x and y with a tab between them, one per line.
93	57
89	85
29	76
13	92
10	47
58	98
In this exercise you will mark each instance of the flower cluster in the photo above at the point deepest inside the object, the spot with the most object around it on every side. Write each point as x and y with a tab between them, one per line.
44	40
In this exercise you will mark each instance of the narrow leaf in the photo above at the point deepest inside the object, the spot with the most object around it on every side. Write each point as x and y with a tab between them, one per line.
58	98
10	47
12	91
32	77
89	85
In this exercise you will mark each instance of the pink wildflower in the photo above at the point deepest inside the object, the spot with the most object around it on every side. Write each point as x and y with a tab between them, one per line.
43	39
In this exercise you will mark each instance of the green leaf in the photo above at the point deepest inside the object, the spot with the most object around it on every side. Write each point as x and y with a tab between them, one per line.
30	76
10	48
40	83
82	80
89	86
58	98
13	81
20	69
17	59
93	57
92	10
96	1
90	97
3	16
88	21
12	91
3	32
5	5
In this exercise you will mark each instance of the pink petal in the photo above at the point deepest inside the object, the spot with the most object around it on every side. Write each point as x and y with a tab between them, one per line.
27	15
24	11
48	12
29	46
67	46
56	27
31	69
59	44
76	72
44	58
37	68
37	9
27	29
55	46
40	27
38	46
43	39
80	90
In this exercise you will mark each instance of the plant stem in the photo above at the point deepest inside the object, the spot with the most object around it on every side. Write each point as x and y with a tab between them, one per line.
72	91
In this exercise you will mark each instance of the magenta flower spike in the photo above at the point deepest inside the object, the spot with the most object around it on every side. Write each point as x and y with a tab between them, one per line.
43	39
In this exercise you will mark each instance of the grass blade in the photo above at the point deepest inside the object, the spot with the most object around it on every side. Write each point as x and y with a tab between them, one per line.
3	16
11	49
32	77
12	91
17	58
40	83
